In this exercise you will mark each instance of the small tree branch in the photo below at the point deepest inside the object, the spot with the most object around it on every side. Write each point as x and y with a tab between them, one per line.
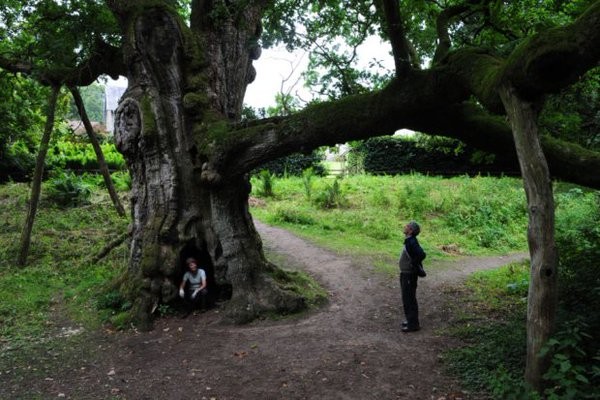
98	150
442	22
15	66
113	244
395	29
106	59
36	187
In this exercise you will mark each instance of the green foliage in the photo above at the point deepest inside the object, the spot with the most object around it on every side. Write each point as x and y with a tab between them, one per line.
55	36
266	182
578	238
65	154
492	325
573	372
307	180
22	118
573	114
295	164
430	155
301	283
292	216
121	181
495	364
93	100
578	242
332	196
332	32
59	282
68	190
17	163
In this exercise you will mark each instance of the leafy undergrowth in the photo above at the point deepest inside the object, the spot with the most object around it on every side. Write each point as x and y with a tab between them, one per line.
60	283
489	315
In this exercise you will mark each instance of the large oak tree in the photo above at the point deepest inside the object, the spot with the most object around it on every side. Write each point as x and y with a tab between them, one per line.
178	124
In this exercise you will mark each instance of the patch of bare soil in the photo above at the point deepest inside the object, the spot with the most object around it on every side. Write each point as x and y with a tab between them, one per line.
351	349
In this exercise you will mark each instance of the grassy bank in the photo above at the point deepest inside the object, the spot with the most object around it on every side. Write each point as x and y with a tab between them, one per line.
60	282
364	215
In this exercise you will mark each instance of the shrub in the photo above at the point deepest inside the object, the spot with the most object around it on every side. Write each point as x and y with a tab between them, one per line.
573	373
428	155
578	243
292	216
68	190
295	163
17	163
122	180
266	182
81	156
307	176
331	197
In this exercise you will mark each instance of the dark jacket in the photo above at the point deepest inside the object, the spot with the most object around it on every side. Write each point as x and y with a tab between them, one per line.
414	250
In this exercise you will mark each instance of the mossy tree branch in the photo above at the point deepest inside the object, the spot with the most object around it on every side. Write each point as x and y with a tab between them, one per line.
434	102
541	65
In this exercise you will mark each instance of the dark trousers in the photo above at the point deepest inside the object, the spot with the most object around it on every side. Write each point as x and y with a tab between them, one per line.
408	285
199	301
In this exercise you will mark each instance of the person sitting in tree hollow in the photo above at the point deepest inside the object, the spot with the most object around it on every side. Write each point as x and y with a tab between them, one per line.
195	293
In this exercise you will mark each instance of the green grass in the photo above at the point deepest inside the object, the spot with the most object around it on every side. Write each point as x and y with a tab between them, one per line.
471	216
59	283
474	216
490	313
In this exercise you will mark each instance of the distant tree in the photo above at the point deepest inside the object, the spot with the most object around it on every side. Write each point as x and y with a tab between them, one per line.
93	99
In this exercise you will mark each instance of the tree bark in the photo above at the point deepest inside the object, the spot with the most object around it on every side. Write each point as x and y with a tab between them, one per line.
36	185
98	150
542	298
164	127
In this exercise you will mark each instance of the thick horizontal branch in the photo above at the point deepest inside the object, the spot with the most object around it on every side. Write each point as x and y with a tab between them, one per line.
543	64
413	104
14	66
106	59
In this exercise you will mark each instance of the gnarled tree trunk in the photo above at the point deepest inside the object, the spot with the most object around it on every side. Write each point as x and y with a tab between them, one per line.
178	101
542	299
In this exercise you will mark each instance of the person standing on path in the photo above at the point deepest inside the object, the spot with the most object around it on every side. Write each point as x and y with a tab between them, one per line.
412	255
196	289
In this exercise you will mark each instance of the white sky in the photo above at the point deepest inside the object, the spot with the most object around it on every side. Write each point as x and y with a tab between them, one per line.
278	70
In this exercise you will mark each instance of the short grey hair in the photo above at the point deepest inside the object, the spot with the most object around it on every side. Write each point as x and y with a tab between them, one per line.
416	229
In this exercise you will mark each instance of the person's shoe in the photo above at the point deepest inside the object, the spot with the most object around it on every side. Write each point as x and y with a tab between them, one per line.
407	329
404	324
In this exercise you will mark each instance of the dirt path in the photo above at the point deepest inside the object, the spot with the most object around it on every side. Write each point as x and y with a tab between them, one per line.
351	349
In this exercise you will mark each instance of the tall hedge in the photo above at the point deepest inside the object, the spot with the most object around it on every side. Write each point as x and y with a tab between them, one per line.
294	164
397	155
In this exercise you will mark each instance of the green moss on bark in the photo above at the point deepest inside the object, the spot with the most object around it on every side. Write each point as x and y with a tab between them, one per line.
149	127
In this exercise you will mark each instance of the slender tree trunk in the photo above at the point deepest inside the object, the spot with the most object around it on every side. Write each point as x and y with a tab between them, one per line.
165	126
98	150
542	298
36	185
